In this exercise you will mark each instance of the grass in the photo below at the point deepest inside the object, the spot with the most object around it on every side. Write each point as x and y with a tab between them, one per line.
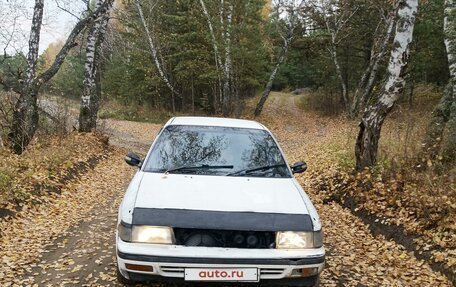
43	163
112	109
320	101
423	201
402	131
138	113
5	184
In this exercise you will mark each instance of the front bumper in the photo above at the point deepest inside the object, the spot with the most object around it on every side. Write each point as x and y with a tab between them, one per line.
170	261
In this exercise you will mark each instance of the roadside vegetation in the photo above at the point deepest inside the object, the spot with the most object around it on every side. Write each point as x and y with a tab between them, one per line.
140	113
56	158
45	168
397	198
364	91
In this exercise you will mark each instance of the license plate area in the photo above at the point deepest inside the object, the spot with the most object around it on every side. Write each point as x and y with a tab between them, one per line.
222	274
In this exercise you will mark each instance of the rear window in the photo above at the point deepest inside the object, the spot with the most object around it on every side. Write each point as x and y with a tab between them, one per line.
186	146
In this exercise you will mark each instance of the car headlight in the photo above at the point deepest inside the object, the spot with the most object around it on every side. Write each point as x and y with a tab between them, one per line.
318	238
124	231
152	234
299	240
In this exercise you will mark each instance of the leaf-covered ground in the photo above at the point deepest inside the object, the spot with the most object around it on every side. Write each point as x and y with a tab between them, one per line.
356	257
45	168
412	206
69	239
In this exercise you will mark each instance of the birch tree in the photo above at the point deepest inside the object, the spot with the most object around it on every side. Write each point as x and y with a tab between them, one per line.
371	123
336	19
450	44
25	117
286	33
218	60
90	99
225	64
214	55
154	54
12	13
228	66
444	114
366	83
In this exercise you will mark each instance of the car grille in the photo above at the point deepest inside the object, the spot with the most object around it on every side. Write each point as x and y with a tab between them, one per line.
224	238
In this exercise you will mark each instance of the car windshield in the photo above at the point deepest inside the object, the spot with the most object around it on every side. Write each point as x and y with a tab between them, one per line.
217	151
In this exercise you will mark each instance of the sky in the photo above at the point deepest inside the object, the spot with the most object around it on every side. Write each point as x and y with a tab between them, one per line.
56	22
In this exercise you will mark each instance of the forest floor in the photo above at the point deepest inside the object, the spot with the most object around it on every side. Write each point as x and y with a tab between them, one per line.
69	238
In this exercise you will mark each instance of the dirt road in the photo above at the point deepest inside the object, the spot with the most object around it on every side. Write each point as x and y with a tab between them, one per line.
70	241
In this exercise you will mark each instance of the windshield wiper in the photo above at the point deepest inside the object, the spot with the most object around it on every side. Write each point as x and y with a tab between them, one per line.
251	170
204	166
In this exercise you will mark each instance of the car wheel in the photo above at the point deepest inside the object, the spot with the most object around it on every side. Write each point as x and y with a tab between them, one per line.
122	280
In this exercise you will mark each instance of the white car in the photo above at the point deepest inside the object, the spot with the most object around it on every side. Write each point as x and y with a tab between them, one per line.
215	200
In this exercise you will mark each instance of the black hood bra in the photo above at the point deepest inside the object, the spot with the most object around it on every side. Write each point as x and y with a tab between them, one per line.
222	220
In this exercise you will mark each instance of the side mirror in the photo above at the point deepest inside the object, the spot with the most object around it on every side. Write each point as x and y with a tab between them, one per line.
299	167
133	160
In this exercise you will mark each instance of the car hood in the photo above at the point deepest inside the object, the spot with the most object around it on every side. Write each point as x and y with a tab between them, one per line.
219	193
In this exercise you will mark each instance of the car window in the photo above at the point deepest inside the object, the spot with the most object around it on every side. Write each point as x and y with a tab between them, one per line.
193	146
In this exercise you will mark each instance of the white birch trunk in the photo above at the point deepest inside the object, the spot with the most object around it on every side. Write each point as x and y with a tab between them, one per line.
374	116
267	91
90	98
362	93
90	71
25	116
226	32
211	31
432	142
71	41
218	59
34	43
450	44
444	114
287	39
340	76
154	54
450	38
333	30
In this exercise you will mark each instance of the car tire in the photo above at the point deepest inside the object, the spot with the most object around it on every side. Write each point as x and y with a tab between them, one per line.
122	280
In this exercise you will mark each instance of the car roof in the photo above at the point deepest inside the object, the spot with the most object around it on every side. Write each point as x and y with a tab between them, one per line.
215	122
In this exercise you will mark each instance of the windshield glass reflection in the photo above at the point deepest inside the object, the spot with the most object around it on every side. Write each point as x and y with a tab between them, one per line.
192	146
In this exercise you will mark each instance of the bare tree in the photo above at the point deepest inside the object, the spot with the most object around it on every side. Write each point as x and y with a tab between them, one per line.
218	59
336	19
366	83
450	43
431	145
370	127
12	37
228	66
25	117
91	94
224	63
286	33
444	114
154	54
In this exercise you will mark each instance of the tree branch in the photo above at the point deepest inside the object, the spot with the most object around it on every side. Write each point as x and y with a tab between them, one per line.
70	43
66	10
